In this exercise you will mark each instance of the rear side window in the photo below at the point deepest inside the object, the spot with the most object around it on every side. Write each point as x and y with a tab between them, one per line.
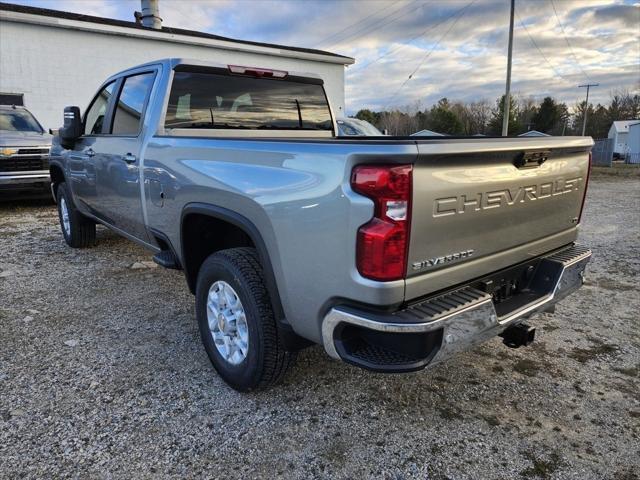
218	101
128	113
94	118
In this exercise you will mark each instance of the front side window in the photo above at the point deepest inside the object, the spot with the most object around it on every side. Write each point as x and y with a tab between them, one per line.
16	120
128	113
218	101
94	119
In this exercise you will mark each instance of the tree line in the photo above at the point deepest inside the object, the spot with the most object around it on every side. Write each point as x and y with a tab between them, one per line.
482	118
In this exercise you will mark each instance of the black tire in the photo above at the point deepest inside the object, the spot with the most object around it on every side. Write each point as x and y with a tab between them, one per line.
81	232
266	360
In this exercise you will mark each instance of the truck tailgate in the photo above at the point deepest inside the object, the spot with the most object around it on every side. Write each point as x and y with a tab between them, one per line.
480	205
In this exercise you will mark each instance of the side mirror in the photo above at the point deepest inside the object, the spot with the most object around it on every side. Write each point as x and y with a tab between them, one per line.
72	128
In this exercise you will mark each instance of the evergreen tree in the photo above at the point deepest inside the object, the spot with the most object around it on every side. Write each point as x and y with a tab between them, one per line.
368	116
495	124
548	116
444	120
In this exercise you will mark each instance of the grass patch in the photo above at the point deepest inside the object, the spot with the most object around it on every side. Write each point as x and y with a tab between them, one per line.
599	349
527	367
630	372
617	170
542	468
609	284
449	413
492	420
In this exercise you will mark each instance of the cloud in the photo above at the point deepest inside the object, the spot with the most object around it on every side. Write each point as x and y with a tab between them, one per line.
459	45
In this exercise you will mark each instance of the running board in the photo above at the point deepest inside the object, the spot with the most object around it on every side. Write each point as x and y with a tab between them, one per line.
167	259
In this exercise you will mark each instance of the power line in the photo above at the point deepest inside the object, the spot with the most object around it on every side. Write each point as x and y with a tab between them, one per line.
377	25
566	39
459	16
358	22
538	48
421	34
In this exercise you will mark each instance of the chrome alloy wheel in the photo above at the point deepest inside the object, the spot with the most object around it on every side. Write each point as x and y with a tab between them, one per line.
66	224
227	322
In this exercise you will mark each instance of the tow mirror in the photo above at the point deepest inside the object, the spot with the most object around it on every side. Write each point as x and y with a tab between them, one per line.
72	128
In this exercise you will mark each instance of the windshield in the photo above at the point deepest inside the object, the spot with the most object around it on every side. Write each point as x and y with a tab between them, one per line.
356	127
209	100
18	121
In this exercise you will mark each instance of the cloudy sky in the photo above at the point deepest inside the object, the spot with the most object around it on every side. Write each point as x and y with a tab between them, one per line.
411	52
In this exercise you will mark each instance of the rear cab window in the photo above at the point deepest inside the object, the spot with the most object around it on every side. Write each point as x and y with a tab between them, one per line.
132	94
216	100
127	118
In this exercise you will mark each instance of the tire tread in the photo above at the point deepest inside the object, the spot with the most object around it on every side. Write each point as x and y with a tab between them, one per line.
83	229
277	359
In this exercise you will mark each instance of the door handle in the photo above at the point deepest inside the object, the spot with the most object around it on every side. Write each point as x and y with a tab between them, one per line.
129	158
90	153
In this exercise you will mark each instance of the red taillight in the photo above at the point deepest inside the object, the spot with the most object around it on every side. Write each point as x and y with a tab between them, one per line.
586	185
383	242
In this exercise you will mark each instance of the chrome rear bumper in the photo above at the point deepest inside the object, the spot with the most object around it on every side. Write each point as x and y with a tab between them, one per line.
448	323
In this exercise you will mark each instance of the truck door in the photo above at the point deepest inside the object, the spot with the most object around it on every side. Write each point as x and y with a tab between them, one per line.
117	157
81	159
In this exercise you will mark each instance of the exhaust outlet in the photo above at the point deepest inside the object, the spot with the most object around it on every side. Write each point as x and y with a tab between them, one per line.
518	335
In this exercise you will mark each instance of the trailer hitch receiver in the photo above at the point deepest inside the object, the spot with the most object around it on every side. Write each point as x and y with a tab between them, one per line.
518	335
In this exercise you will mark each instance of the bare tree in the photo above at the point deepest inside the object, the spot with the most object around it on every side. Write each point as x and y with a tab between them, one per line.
527	109
479	114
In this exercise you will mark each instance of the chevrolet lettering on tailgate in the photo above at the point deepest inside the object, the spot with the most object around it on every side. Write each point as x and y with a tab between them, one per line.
443	207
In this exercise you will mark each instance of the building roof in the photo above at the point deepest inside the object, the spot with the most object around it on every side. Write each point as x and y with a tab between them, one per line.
169	31
622	126
427	133
534	133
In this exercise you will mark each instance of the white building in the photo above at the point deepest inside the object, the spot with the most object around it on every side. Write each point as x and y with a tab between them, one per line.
634	143
427	133
534	133
50	59
619	131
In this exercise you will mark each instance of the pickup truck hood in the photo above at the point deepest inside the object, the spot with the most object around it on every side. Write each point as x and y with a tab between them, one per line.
24	139
480	203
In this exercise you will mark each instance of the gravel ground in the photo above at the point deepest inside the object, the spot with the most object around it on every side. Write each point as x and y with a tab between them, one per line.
102	375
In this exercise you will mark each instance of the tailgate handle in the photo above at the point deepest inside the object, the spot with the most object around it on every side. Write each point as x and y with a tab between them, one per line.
531	158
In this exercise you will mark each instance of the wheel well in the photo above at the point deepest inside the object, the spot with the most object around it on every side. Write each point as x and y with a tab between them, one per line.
207	229
203	235
57	177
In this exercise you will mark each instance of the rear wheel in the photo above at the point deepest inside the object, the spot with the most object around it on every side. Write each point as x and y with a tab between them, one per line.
236	321
78	230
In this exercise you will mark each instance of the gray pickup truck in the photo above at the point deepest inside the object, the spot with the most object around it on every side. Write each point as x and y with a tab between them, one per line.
24	151
393	253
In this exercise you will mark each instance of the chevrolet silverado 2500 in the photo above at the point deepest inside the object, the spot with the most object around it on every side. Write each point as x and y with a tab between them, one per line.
393	253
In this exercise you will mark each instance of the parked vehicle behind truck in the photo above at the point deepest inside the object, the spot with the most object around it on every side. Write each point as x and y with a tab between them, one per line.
24	151
392	252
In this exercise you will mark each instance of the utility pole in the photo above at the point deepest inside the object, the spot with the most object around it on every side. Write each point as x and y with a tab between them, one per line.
586	105
507	93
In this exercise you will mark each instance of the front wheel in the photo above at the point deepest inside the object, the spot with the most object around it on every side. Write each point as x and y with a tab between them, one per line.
236	321
78	230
